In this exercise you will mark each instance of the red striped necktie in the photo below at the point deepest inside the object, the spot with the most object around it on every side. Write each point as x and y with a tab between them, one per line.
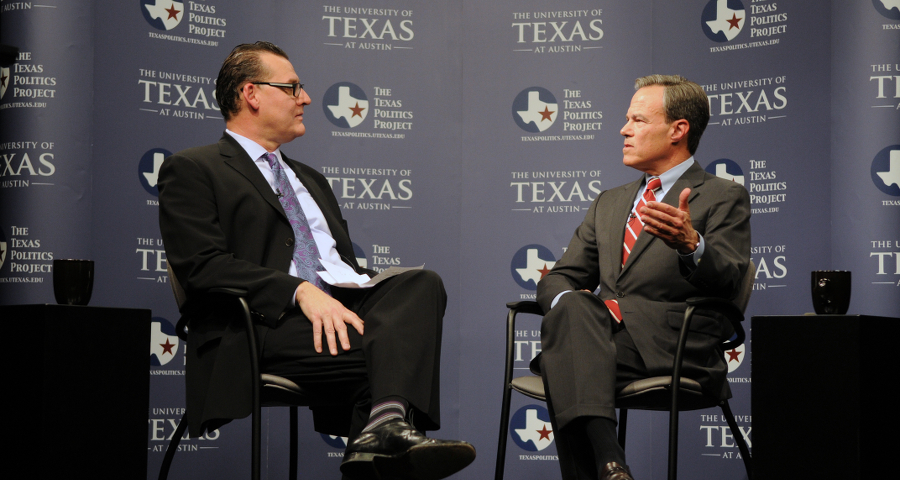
633	228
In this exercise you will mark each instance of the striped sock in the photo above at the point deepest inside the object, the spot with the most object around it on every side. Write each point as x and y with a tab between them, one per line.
386	409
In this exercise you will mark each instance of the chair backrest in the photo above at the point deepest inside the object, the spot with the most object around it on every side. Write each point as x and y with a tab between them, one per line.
743	296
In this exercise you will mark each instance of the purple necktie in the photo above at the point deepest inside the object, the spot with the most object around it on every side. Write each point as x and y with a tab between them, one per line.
306	254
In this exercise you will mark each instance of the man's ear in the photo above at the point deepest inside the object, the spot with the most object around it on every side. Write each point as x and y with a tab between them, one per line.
250	96
679	131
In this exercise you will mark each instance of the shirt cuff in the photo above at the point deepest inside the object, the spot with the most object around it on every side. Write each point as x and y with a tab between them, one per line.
691	260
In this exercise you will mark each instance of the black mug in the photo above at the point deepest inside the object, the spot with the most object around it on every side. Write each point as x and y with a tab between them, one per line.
831	291
73	281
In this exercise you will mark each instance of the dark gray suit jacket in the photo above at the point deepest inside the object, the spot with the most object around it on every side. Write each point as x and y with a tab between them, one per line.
654	284
223	226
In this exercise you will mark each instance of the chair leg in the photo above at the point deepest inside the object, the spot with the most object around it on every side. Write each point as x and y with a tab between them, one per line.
172	448
504	426
255	447
673	443
623	425
293	469
739	438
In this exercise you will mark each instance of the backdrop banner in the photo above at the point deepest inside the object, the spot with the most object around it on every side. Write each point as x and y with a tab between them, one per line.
467	136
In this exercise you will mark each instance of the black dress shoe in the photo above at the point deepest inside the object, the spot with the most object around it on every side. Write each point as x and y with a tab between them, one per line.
396	450
615	471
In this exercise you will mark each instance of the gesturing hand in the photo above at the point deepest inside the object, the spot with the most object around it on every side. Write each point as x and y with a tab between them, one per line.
672	225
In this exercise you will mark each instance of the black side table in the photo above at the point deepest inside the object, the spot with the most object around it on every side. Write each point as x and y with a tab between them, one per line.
822	395
76	385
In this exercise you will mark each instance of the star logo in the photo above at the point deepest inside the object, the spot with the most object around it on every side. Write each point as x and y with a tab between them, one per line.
734	22
163	342
735	357
167	347
546	114
357	110
544	271
172	12
544	433
4	80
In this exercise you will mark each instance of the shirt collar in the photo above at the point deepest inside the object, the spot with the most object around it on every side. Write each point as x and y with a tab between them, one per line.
253	149
669	177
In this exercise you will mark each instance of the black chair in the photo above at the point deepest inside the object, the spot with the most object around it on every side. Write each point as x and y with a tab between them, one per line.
655	393
268	390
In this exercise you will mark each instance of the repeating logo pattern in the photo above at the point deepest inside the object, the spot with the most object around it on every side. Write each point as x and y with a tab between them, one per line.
162	14
163	342
888	8
345	105
726	169
4	80
333	441
360	256
148	169
723	20
4	247
530	428
530	264
886	170
535	109
735	357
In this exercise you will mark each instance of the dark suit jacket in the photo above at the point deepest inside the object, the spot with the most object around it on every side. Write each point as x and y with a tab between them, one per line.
654	284
223	226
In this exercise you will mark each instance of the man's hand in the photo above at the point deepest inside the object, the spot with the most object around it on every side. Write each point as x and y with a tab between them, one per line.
672	225
328	315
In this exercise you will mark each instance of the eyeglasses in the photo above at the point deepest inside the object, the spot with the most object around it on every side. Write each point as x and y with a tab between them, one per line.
295	87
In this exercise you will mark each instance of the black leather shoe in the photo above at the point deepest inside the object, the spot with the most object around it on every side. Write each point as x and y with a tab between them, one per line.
396	450
614	471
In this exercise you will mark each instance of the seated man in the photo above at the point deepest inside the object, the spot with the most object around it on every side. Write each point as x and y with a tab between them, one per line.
239	213
676	232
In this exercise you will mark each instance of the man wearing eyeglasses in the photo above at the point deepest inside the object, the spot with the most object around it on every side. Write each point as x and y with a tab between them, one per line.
239	213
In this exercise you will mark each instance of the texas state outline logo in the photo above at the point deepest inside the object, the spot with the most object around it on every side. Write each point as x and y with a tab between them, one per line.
345	105
888	8
163	342
162	14
726	169
530	264
530	428
535	109
148	169
4	248
723	20
886	170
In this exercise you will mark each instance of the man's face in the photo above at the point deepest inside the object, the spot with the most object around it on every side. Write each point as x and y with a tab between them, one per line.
648	146
280	114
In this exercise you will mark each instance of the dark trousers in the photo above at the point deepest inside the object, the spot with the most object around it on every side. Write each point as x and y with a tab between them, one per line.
585	358
398	354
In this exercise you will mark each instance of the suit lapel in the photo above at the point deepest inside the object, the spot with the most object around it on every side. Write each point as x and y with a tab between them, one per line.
237	158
